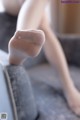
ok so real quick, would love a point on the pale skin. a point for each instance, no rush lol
(52, 48)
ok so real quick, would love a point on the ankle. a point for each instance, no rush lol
(70, 90)
(14, 61)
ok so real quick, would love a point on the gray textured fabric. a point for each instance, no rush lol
(46, 89)
(48, 92)
(6, 104)
(7, 28)
(71, 47)
(23, 95)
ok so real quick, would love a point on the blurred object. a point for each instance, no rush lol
(70, 19)
(3, 58)
(23, 93)
(1, 6)
(7, 104)
(7, 29)
(65, 17)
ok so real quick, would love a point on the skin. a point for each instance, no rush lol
(33, 42)
(52, 48)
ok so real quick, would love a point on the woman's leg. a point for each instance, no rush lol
(54, 54)
(30, 14)
(27, 42)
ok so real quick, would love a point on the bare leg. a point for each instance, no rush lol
(54, 53)
(30, 14)
(29, 18)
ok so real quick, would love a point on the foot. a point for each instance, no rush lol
(25, 44)
(73, 98)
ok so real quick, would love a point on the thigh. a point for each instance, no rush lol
(12, 6)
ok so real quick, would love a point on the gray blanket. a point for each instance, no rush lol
(47, 92)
